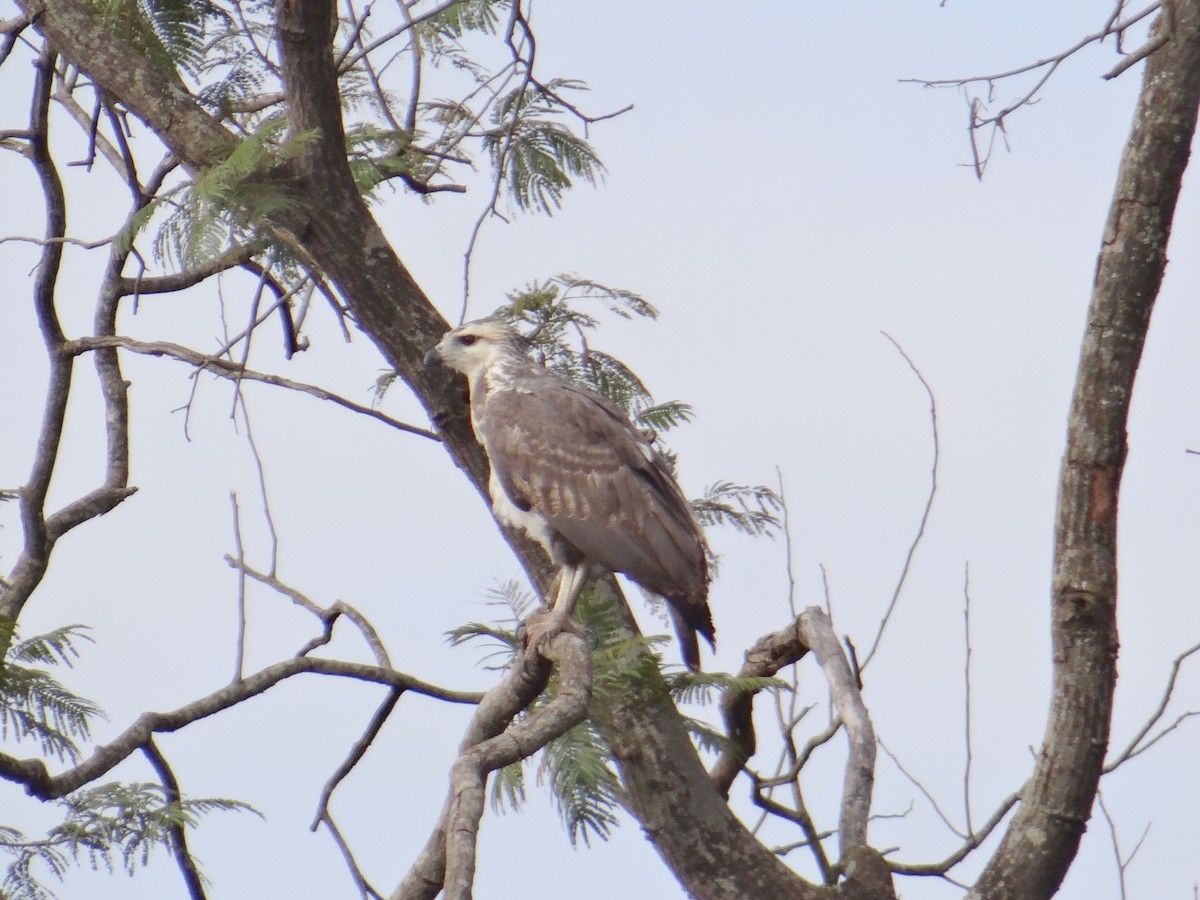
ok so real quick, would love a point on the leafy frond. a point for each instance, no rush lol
(536, 155)
(585, 789)
(469, 15)
(508, 788)
(51, 648)
(701, 687)
(751, 509)
(36, 706)
(221, 206)
(169, 32)
(103, 824)
(129, 820)
(501, 639)
(707, 738)
(665, 416)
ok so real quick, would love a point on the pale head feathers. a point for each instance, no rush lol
(475, 346)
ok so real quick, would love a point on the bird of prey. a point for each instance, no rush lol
(573, 471)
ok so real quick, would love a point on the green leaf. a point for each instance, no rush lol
(538, 157)
(751, 509)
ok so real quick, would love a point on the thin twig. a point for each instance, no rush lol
(933, 483)
(1133, 749)
(240, 644)
(356, 753)
(967, 696)
(227, 369)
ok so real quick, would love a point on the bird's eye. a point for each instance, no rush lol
(467, 339)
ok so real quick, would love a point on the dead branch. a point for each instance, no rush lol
(491, 742)
(1135, 746)
(1043, 837)
(41, 784)
(970, 844)
(933, 484)
(567, 709)
(769, 654)
(227, 369)
(1113, 27)
(858, 785)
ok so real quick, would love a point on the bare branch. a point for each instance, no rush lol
(967, 696)
(357, 752)
(490, 742)
(1133, 749)
(933, 483)
(465, 806)
(769, 654)
(972, 842)
(915, 782)
(177, 835)
(858, 785)
(41, 784)
(228, 369)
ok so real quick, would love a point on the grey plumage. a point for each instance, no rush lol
(570, 468)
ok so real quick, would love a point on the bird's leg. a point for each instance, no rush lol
(547, 622)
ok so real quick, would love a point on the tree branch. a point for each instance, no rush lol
(1044, 835)
(817, 632)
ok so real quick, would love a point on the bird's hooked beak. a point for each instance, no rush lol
(433, 358)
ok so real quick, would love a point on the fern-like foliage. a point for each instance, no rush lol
(702, 688)
(550, 311)
(106, 825)
(481, 16)
(34, 705)
(750, 509)
(222, 205)
(535, 154)
(578, 770)
(377, 154)
(170, 33)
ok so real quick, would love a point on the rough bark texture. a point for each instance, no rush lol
(708, 849)
(1044, 835)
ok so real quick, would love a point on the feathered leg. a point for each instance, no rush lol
(547, 622)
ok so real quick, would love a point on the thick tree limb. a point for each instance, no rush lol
(1043, 837)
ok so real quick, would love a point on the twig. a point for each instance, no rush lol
(924, 792)
(365, 890)
(227, 369)
(967, 696)
(328, 615)
(940, 869)
(355, 755)
(1133, 749)
(240, 645)
(933, 482)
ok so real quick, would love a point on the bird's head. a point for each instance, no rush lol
(472, 347)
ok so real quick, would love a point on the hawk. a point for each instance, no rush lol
(573, 471)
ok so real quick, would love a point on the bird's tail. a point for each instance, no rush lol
(686, 630)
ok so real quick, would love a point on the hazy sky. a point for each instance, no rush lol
(783, 199)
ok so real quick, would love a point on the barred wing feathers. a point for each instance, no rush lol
(572, 457)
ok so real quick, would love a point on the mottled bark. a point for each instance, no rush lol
(1044, 835)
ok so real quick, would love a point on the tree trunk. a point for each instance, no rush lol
(1044, 835)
